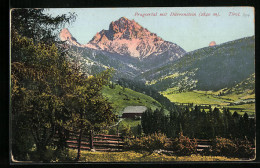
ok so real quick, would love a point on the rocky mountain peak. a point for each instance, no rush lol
(127, 37)
(124, 28)
(65, 35)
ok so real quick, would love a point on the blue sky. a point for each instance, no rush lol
(189, 32)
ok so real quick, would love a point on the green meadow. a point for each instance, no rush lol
(214, 99)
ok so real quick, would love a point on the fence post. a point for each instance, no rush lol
(118, 137)
(91, 139)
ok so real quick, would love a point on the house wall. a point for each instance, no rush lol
(131, 115)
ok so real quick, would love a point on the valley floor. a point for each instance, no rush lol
(132, 156)
(235, 102)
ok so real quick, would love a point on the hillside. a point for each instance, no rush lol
(209, 68)
(93, 61)
(122, 97)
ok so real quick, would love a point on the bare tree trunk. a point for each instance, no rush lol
(79, 145)
(41, 150)
(79, 140)
(91, 139)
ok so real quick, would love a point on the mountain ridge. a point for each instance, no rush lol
(212, 67)
(128, 38)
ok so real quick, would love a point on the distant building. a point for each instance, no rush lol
(133, 111)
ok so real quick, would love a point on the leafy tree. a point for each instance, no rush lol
(38, 69)
(36, 89)
(51, 93)
(90, 111)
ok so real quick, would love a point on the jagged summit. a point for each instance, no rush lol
(123, 28)
(127, 37)
(65, 35)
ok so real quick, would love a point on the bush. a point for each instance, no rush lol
(134, 144)
(231, 148)
(148, 143)
(184, 146)
(126, 130)
(61, 155)
(47, 156)
(244, 149)
(223, 147)
(237, 148)
(52, 154)
(112, 131)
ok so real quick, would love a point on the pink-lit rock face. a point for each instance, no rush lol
(125, 37)
(213, 43)
(65, 35)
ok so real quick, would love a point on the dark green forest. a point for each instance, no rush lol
(196, 123)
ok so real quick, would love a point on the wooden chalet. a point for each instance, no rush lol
(133, 111)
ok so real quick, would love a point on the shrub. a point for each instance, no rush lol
(134, 144)
(184, 146)
(126, 130)
(148, 143)
(112, 131)
(236, 148)
(61, 155)
(244, 149)
(223, 147)
(231, 148)
(47, 156)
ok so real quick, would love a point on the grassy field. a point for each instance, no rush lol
(132, 156)
(193, 97)
(240, 109)
(121, 98)
(212, 98)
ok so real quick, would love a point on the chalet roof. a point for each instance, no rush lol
(135, 109)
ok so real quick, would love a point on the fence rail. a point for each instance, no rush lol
(100, 142)
(103, 142)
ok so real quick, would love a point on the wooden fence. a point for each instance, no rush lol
(102, 142)
(203, 144)
(99, 142)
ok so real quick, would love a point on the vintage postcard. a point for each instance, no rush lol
(130, 85)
